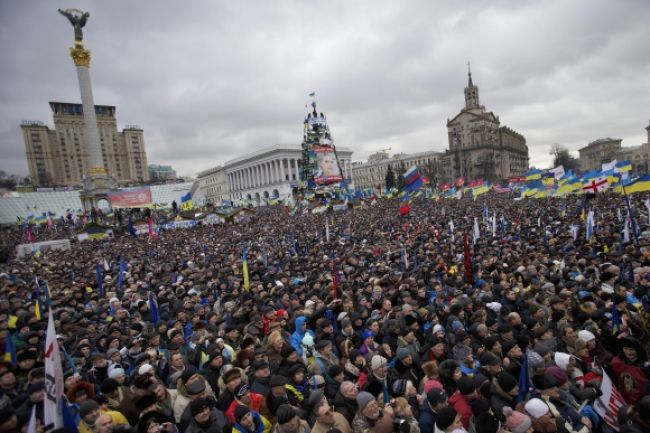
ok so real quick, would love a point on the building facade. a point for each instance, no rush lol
(479, 146)
(598, 152)
(372, 173)
(214, 185)
(605, 150)
(272, 172)
(161, 173)
(60, 156)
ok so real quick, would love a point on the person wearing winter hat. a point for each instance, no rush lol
(378, 381)
(516, 421)
(245, 397)
(461, 399)
(546, 385)
(435, 402)
(503, 391)
(288, 421)
(448, 421)
(88, 414)
(630, 369)
(370, 417)
(204, 417)
(487, 422)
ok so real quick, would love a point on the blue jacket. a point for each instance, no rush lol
(298, 335)
(427, 419)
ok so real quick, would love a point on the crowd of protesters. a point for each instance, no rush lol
(394, 323)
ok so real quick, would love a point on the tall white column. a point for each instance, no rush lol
(253, 176)
(295, 161)
(282, 170)
(276, 174)
(267, 173)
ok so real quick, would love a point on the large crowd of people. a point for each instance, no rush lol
(368, 320)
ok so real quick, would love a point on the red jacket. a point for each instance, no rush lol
(256, 403)
(459, 402)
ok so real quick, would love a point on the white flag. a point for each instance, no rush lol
(31, 428)
(608, 166)
(558, 171)
(106, 267)
(52, 405)
(608, 404)
(647, 205)
(327, 230)
(451, 230)
(574, 232)
(494, 225)
(476, 232)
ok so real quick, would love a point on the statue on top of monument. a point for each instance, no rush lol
(78, 20)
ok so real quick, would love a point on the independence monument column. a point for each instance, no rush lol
(97, 182)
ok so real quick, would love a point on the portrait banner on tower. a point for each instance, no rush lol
(136, 197)
(326, 167)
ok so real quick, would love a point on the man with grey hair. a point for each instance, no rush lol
(346, 400)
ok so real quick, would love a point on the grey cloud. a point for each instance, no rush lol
(209, 81)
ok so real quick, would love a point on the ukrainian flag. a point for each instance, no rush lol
(533, 174)
(245, 270)
(623, 166)
(642, 184)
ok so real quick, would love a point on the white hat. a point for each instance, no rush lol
(536, 408)
(115, 372)
(606, 288)
(438, 328)
(377, 361)
(494, 306)
(145, 369)
(586, 335)
(562, 360)
(309, 303)
(278, 283)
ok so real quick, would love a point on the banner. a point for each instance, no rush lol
(137, 197)
(326, 167)
(52, 405)
(608, 404)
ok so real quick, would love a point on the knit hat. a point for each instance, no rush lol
(277, 380)
(189, 371)
(446, 418)
(241, 412)
(399, 387)
(558, 374)
(197, 406)
(489, 358)
(367, 334)
(562, 360)
(544, 381)
(334, 371)
(402, 353)
(516, 422)
(585, 335)
(287, 351)
(86, 407)
(363, 399)
(240, 390)
(145, 401)
(466, 385)
(377, 361)
(536, 408)
(116, 372)
(506, 381)
(436, 396)
(285, 413)
(535, 361)
(461, 352)
(486, 422)
(108, 386)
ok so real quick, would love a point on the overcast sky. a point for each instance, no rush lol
(211, 80)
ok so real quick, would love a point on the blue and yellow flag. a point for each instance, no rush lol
(245, 270)
(10, 350)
